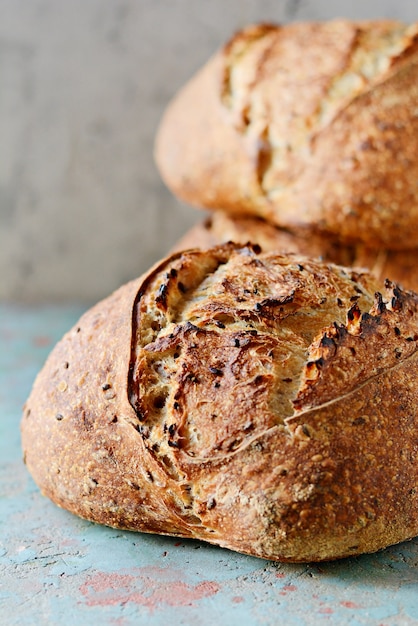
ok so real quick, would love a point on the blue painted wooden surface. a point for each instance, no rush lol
(58, 569)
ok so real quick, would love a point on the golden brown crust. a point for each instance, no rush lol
(261, 402)
(306, 125)
(399, 266)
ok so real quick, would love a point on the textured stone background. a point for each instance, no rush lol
(83, 84)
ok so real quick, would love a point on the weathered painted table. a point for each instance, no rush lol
(58, 569)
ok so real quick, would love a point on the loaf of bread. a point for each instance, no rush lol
(308, 125)
(260, 402)
(400, 266)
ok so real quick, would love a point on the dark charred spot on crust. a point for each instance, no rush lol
(354, 313)
(159, 401)
(366, 317)
(216, 371)
(266, 307)
(340, 302)
(358, 421)
(367, 144)
(279, 301)
(150, 476)
(259, 379)
(115, 419)
(173, 444)
(173, 272)
(397, 331)
(287, 380)
(306, 430)
(397, 299)
(192, 327)
(311, 366)
(172, 429)
(140, 415)
(378, 303)
(161, 298)
(106, 386)
(143, 430)
(66, 365)
(207, 224)
(328, 343)
(211, 504)
(340, 331)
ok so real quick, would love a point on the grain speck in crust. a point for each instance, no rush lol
(268, 405)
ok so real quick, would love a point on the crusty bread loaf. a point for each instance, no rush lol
(400, 266)
(264, 403)
(309, 125)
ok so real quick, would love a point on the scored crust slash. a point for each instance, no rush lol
(262, 402)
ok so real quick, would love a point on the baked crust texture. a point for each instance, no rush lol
(262, 402)
(309, 125)
(399, 266)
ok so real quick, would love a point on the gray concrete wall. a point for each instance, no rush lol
(83, 84)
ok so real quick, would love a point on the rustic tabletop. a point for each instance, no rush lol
(58, 569)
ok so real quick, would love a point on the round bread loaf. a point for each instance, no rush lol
(308, 125)
(400, 266)
(261, 402)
